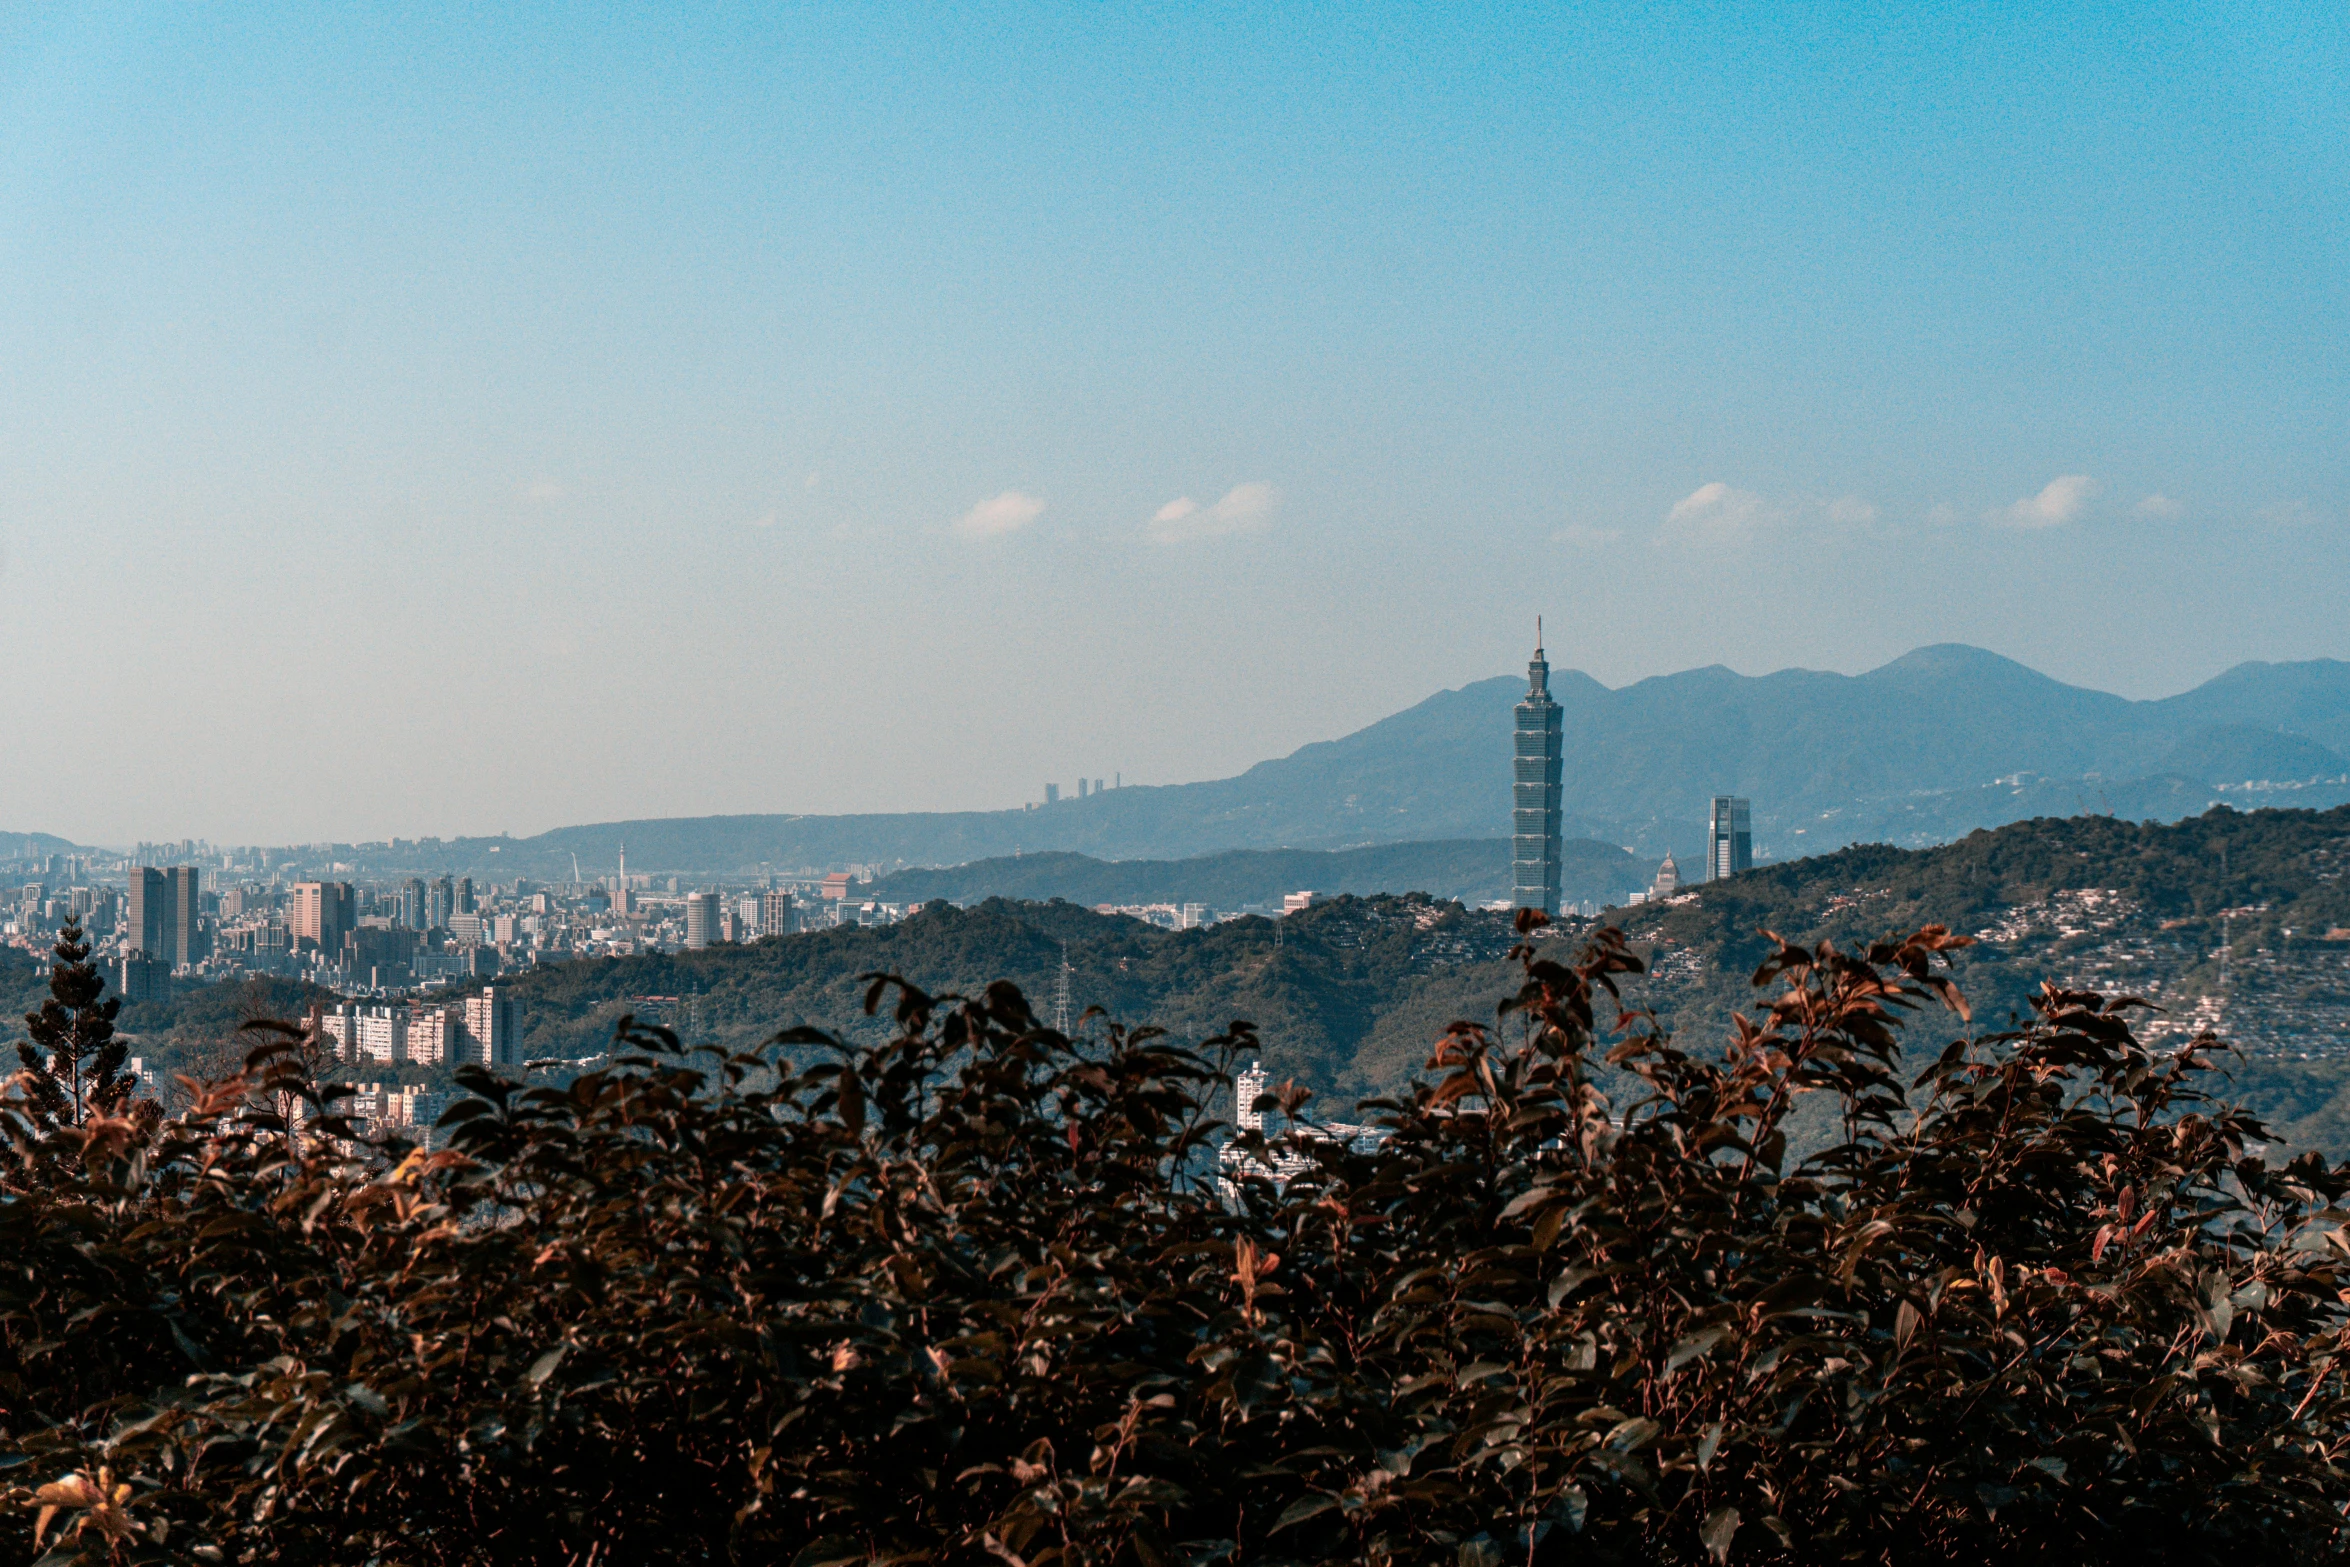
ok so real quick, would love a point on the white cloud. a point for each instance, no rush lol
(543, 492)
(2059, 502)
(1244, 508)
(2289, 513)
(1584, 535)
(1851, 511)
(1007, 513)
(1712, 513)
(2160, 507)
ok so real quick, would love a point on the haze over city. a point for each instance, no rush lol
(463, 421)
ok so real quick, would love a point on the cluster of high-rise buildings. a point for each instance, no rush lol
(1537, 808)
(484, 1028)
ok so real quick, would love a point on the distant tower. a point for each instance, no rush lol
(1061, 994)
(1534, 845)
(1729, 848)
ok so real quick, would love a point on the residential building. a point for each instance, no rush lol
(141, 978)
(382, 1035)
(1298, 902)
(433, 1035)
(373, 948)
(701, 919)
(338, 1030)
(776, 915)
(493, 1033)
(1535, 847)
(1729, 839)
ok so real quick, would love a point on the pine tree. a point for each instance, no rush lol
(73, 1062)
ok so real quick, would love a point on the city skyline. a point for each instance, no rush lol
(472, 421)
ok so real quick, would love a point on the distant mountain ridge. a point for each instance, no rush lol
(1922, 750)
(1470, 870)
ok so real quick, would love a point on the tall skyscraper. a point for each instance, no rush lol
(320, 915)
(183, 936)
(1729, 839)
(147, 920)
(1534, 842)
(701, 918)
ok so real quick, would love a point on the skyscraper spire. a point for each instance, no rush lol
(1535, 849)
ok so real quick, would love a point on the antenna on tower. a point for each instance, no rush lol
(1061, 994)
(1537, 633)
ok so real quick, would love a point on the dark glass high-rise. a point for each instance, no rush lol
(1535, 815)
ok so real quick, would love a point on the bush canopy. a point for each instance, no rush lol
(987, 1294)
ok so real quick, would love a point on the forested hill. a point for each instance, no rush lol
(1348, 995)
(2091, 902)
(1472, 870)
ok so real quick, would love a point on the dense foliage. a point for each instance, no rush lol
(972, 1295)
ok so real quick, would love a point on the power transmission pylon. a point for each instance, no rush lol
(1061, 994)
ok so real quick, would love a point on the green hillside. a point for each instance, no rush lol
(1348, 995)
(1470, 870)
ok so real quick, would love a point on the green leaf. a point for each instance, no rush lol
(1708, 1445)
(1695, 1347)
(1303, 1508)
(1721, 1527)
(544, 1367)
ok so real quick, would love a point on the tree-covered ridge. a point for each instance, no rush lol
(1471, 870)
(1347, 994)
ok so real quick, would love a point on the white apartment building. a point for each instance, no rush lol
(493, 1031)
(432, 1035)
(382, 1035)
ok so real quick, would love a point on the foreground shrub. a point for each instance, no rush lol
(976, 1296)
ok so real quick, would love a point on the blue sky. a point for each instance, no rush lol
(420, 422)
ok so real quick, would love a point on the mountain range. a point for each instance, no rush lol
(1924, 750)
(1927, 748)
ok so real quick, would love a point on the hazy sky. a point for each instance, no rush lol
(420, 423)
